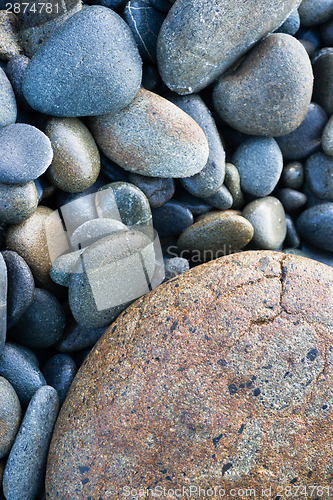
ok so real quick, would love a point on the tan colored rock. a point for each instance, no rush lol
(220, 377)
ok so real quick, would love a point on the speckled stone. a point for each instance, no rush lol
(62, 267)
(319, 175)
(175, 266)
(291, 199)
(293, 175)
(152, 137)
(314, 12)
(322, 64)
(106, 82)
(17, 202)
(21, 371)
(222, 199)
(259, 163)
(10, 416)
(215, 236)
(194, 46)
(275, 76)
(59, 372)
(29, 240)
(3, 302)
(25, 153)
(25, 468)
(15, 69)
(43, 323)
(21, 286)
(291, 24)
(327, 138)
(76, 162)
(264, 319)
(157, 189)
(10, 44)
(232, 183)
(306, 139)
(210, 179)
(171, 219)
(315, 226)
(268, 219)
(8, 109)
(76, 337)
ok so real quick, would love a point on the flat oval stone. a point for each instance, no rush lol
(76, 337)
(42, 324)
(293, 175)
(319, 175)
(214, 342)
(152, 137)
(24, 472)
(21, 371)
(322, 64)
(232, 183)
(275, 75)
(157, 189)
(10, 416)
(268, 219)
(315, 226)
(59, 372)
(3, 301)
(327, 138)
(99, 61)
(17, 202)
(8, 109)
(218, 235)
(222, 199)
(200, 39)
(21, 286)
(76, 162)
(314, 12)
(25, 153)
(171, 219)
(210, 179)
(291, 199)
(259, 162)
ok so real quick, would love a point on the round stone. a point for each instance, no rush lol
(152, 137)
(171, 219)
(293, 175)
(291, 199)
(196, 205)
(215, 236)
(76, 162)
(76, 337)
(314, 12)
(319, 175)
(59, 372)
(222, 199)
(268, 219)
(25, 153)
(157, 190)
(8, 109)
(10, 416)
(259, 163)
(103, 70)
(327, 138)
(291, 24)
(315, 226)
(17, 202)
(269, 93)
(207, 358)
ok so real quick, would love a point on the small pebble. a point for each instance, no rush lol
(76, 337)
(327, 138)
(10, 416)
(17, 202)
(21, 372)
(291, 199)
(268, 219)
(292, 239)
(157, 190)
(8, 109)
(291, 24)
(10, 43)
(26, 464)
(196, 205)
(222, 199)
(175, 266)
(232, 183)
(319, 175)
(171, 219)
(314, 12)
(322, 64)
(293, 175)
(315, 226)
(59, 372)
(3, 302)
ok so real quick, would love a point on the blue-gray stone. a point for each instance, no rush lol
(24, 473)
(8, 109)
(15, 69)
(3, 302)
(21, 286)
(161, 5)
(259, 163)
(59, 372)
(42, 324)
(313, 12)
(291, 24)
(111, 171)
(319, 255)
(291, 199)
(197, 206)
(21, 372)
(222, 199)
(157, 189)
(315, 226)
(319, 175)
(322, 64)
(76, 337)
(210, 179)
(292, 239)
(62, 268)
(10, 416)
(17, 202)
(175, 266)
(171, 219)
(25, 153)
(93, 56)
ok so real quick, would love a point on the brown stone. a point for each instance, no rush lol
(220, 377)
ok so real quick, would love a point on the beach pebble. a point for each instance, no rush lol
(306, 139)
(25, 153)
(8, 109)
(21, 371)
(26, 464)
(314, 12)
(198, 41)
(222, 199)
(111, 171)
(152, 137)
(232, 183)
(259, 163)
(76, 162)
(269, 93)
(17, 202)
(175, 266)
(315, 226)
(157, 189)
(10, 416)
(292, 239)
(215, 236)
(196, 205)
(15, 69)
(10, 43)
(322, 64)
(59, 372)
(291, 24)
(3, 302)
(76, 337)
(42, 324)
(268, 219)
(293, 175)
(319, 255)
(319, 175)
(21, 286)
(291, 199)
(210, 179)
(327, 138)
(171, 219)
(104, 73)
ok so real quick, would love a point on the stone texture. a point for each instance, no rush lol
(221, 376)
(15, 69)
(152, 137)
(200, 39)
(269, 93)
(17, 202)
(293, 175)
(3, 302)
(327, 137)
(10, 416)
(315, 226)
(10, 44)
(8, 109)
(313, 12)
(59, 372)
(322, 64)
(319, 175)
(157, 190)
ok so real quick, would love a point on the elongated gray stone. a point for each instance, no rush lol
(200, 39)
(25, 468)
(3, 302)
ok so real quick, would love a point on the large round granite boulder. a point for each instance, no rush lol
(221, 378)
